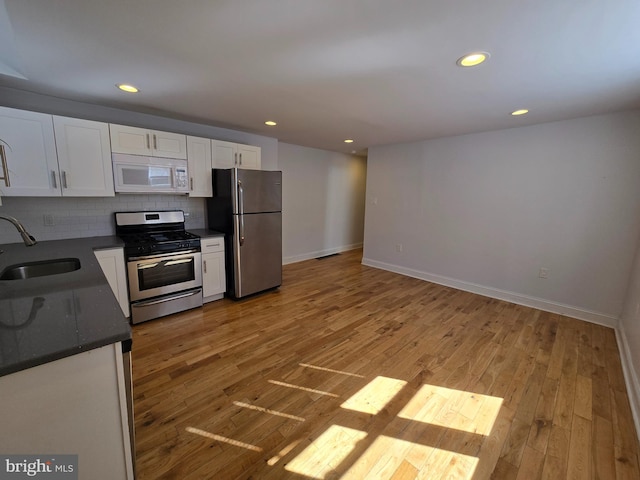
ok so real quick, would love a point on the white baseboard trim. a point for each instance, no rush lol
(319, 253)
(513, 297)
(630, 376)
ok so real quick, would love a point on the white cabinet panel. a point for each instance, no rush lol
(230, 155)
(249, 157)
(224, 154)
(142, 141)
(111, 261)
(213, 271)
(52, 156)
(84, 157)
(199, 161)
(213, 268)
(77, 402)
(169, 145)
(133, 140)
(29, 162)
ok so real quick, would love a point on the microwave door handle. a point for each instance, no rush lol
(241, 211)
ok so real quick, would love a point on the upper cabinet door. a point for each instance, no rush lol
(249, 157)
(84, 157)
(199, 162)
(224, 154)
(168, 145)
(29, 166)
(142, 141)
(133, 140)
(230, 155)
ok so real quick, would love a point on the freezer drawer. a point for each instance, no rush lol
(257, 253)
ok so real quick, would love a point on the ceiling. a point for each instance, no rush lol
(376, 71)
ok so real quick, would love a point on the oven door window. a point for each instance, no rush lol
(166, 272)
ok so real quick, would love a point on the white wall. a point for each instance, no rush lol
(485, 212)
(322, 202)
(629, 339)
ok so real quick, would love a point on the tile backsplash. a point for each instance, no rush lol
(56, 218)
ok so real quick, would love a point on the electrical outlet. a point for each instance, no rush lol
(399, 247)
(49, 220)
(544, 272)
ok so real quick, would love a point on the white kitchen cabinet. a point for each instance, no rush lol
(111, 261)
(50, 156)
(77, 402)
(28, 154)
(230, 155)
(199, 163)
(142, 141)
(84, 158)
(213, 269)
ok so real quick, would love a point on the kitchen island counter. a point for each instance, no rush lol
(47, 318)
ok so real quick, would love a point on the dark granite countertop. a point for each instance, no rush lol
(47, 318)
(203, 232)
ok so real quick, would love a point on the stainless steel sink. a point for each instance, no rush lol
(40, 269)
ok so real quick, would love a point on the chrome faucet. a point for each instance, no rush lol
(26, 238)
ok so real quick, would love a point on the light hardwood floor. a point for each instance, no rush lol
(351, 372)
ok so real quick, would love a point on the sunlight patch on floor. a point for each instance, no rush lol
(449, 408)
(374, 395)
(267, 410)
(385, 455)
(324, 369)
(276, 458)
(304, 389)
(219, 438)
(326, 452)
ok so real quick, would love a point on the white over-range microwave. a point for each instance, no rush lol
(142, 174)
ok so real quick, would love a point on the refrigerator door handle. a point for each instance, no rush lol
(241, 211)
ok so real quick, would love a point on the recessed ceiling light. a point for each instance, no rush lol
(522, 111)
(473, 59)
(271, 123)
(348, 141)
(127, 88)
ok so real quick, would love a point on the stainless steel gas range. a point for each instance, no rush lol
(163, 263)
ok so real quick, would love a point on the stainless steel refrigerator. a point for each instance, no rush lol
(247, 207)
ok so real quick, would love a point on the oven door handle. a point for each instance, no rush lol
(166, 299)
(179, 254)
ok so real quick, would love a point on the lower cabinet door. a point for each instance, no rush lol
(213, 274)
